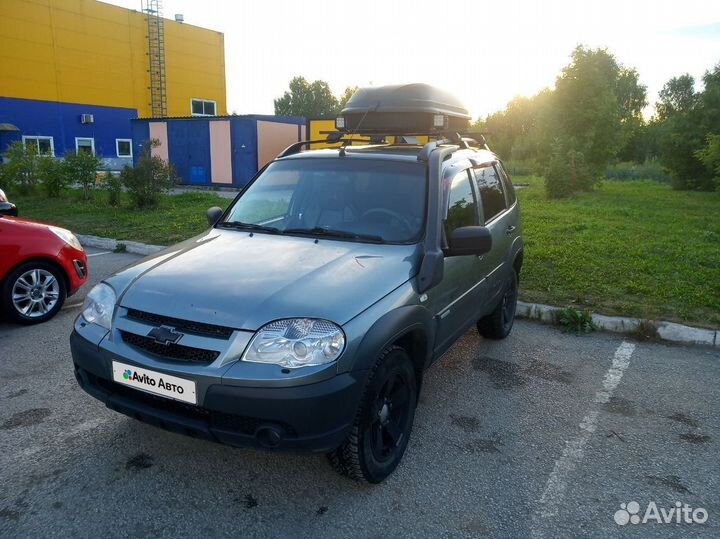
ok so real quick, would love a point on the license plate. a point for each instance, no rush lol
(154, 382)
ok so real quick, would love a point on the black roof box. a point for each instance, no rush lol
(403, 108)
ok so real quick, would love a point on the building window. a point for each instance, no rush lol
(123, 147)
(202, 107)
(42, 145)
(85, 145)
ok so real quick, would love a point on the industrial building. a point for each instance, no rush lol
(76, 72)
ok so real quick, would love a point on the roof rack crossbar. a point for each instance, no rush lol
(298, 146)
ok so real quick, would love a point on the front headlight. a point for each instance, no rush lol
(67, 236)
(296, 342)
(98, 306)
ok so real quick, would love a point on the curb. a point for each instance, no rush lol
(667, 331)
(110, 244)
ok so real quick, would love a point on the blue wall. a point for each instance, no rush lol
(189, 145)
(62, 122)
(189, 150)
(243, 143)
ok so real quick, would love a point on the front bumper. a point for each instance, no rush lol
(74, 262)
(315, 417)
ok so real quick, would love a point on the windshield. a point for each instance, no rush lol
(357, 199)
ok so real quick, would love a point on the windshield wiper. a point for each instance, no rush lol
(331, 233)
(249, 226)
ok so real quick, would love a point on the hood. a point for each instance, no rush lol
(21, 225)
(235, 279)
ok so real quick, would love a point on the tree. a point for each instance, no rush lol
(345, 97)
(593, 113)
(596, 105)
(686, 123)
(503, 129)
(676, 97)
(307, 99)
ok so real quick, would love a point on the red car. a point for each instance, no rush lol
(40, 265)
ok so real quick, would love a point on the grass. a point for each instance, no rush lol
(634, 248)
(178, 217)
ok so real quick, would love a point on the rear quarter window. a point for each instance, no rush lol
(507, 184)
(492, 195)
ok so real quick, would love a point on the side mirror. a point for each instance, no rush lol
(469, 240)
(213, 215)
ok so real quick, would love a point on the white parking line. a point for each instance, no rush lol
(572, 454)
(72, 305)
(98, 254)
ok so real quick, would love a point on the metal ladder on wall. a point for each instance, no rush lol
(156, 56)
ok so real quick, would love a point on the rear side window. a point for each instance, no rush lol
(462, 209)
(491, 191)
(507, 185)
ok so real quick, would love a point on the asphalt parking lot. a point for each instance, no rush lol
(541, 435)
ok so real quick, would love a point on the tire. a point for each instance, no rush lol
(33, 292)
(498, 324)
(379, 436)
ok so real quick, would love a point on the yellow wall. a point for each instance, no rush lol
(83, 51)
(318, 126)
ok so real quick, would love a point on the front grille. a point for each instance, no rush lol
(177, 352)
(187, 326)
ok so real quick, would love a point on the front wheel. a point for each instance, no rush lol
(498, 324)
(382, 426)
(33, 292)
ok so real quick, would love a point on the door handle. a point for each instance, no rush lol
(509, 230)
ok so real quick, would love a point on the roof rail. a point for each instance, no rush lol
(462, 143)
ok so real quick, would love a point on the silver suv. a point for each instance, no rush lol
(305, 317)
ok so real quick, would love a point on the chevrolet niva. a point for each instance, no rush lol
(308, 313)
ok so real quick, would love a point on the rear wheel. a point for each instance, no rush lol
(382, 426)
(498, 324)
(33, 292)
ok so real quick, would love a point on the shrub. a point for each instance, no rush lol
(52, 176)
(567, 171)
(646, 330)
(575, 321)
(81, 167)
(113, 185)
(710, 157)
(149, 179)
(21, 168)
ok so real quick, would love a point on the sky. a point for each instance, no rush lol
(484, 51)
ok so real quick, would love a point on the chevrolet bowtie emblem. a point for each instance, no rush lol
(164, 335)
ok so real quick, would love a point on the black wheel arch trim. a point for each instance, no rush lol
(392, 327)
